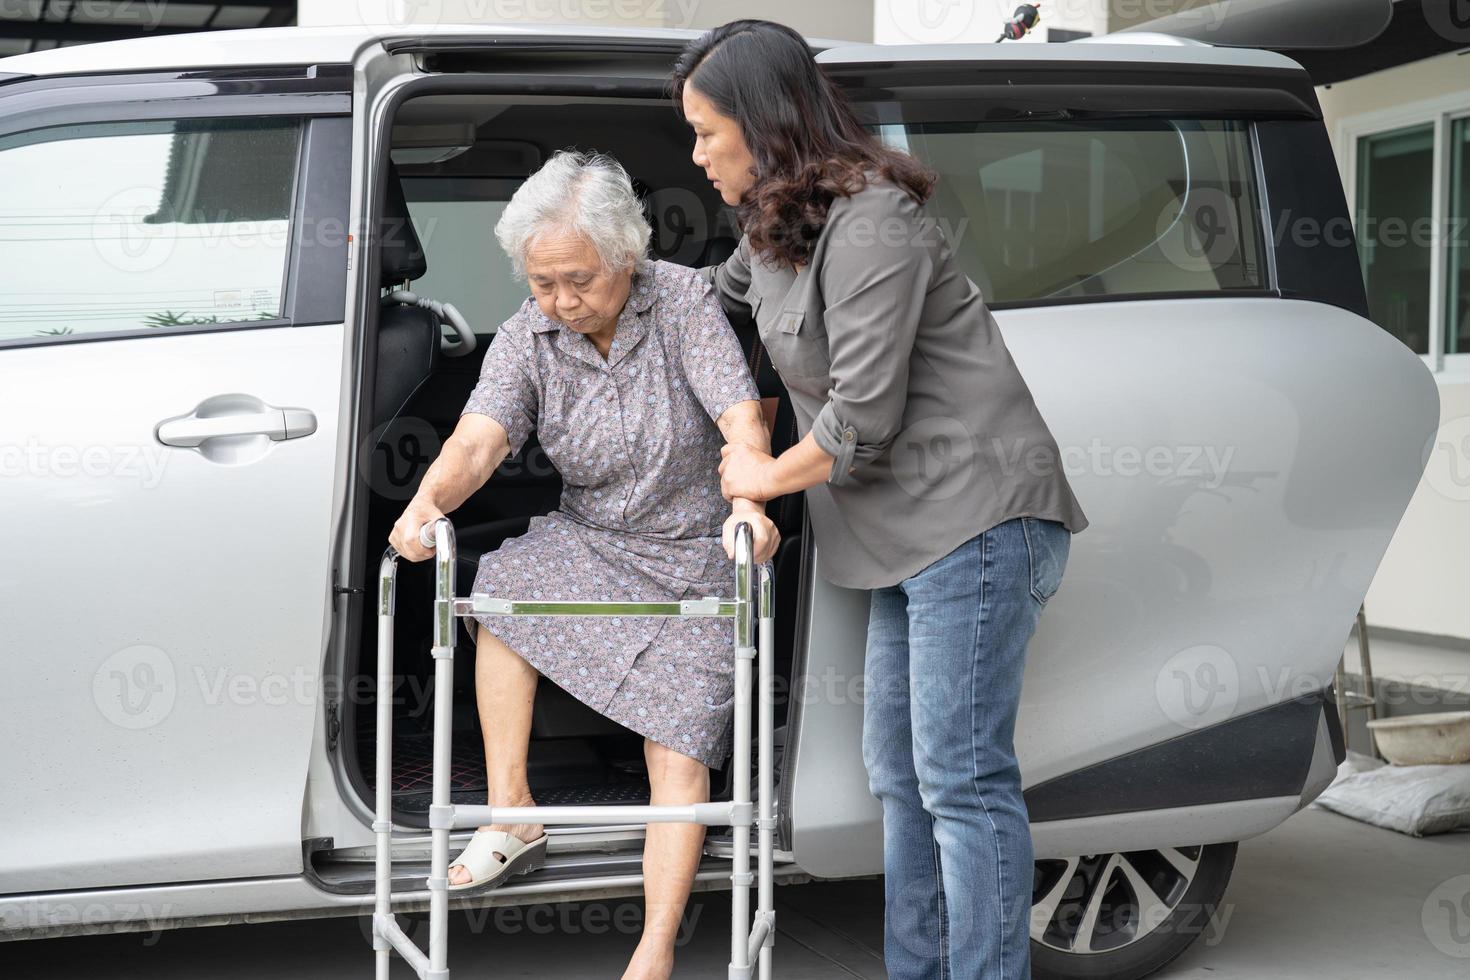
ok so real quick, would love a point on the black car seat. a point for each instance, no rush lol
(408, 336)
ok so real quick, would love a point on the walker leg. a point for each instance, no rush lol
(383, 804)
(443, 651)
(766, 820)
(744, 653)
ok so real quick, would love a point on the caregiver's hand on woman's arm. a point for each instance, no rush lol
(753, 474)
(743, 424)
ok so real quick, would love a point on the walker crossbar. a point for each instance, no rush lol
(752, 611)
(708, 606)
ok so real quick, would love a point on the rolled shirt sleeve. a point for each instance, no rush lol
(506, 390)
(872, 278)
(713, 363)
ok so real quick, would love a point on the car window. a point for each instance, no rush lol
(455, 218)
(131, 226)
(1054, 210)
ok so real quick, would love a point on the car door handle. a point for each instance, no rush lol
(192, 430)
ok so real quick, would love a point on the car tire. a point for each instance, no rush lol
(1123, 916)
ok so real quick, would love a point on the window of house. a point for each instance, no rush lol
(1408, 176)
(1457, 292)
(1394, 198)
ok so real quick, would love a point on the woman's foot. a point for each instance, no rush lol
(650, 963)
(459, 874)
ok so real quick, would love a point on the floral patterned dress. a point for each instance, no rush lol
(634, 438)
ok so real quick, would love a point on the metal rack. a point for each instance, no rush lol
(1367, 699)
(752, 609)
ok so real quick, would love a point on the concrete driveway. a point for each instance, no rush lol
(1321, 895)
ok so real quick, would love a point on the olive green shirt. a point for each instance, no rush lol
(898, 369)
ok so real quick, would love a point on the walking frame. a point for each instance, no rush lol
(753, 612)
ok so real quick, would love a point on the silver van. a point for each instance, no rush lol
(216, 398)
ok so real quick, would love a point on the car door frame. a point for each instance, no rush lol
(400, 68)
(314, 278)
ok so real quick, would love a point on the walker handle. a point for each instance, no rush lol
(426, 534)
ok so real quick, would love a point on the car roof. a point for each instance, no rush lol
(340, 44)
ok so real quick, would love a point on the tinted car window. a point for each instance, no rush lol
(454, 218)
(135, 225)
(1052, 210)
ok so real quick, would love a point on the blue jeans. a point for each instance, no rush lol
(946, 649)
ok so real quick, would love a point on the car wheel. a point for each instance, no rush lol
(1122, 916)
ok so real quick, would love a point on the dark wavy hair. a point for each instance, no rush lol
(808, 146)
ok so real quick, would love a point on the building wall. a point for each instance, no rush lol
(1424, 582)
(979, 21)
(846, 20)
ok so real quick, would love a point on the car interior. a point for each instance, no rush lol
(455, 161)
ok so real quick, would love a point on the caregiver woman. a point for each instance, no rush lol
(930, 477)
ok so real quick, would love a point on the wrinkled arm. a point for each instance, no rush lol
(744, 424)
(469, 457)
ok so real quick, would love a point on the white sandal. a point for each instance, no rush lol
(484, 867)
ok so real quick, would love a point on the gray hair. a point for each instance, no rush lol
(586, 194)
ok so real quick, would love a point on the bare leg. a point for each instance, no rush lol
(671, 853)
(505, 689)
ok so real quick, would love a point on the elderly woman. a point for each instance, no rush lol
(631, 375)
